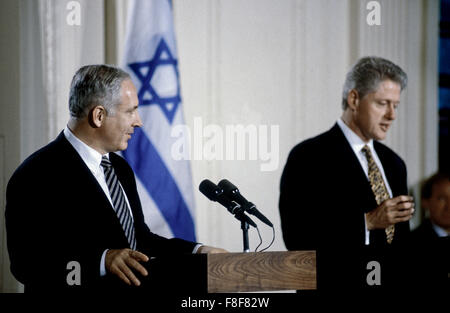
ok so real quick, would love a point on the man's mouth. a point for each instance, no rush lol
(384, 127)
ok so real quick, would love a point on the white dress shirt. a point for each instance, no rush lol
(357, 144)
(92, 158)
(439, 230)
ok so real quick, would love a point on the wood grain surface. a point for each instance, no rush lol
(262, 271)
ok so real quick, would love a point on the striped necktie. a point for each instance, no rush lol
(378, 187)
(119, 203)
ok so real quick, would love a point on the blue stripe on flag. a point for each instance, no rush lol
(150, 168)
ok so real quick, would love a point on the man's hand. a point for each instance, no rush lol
(390, 211)
(208, 249)
(121, 262)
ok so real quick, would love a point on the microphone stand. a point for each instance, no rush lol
(244, 227)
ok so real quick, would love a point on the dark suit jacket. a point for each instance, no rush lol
(56, 212)
(424, 234)
(433, 255)
(324, 194)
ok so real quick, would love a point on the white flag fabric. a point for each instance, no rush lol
(150, 57)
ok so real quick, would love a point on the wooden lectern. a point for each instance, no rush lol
(261, 271)
(233, 272)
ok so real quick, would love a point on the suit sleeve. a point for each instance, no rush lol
(297, 210)
(18, 226)
(40, 237)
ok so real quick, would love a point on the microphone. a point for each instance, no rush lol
(214, 193)
(233, 192)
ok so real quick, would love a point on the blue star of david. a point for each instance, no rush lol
(147, 93)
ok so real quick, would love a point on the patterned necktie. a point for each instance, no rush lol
(118, 200)
(378, 187)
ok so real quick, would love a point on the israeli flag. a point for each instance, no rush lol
(164, 184)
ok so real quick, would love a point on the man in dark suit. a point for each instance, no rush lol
(343, 190)
(435, 195)
(432, 237)
(75, 201)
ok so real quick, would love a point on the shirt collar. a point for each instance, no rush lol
(354, 140)
(90, 156)
(439, 230)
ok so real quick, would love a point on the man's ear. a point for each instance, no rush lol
(97, 116)
(353, 99)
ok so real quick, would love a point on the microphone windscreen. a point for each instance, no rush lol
(226, 185)
(209, 189)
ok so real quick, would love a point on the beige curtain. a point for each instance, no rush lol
(51, 50)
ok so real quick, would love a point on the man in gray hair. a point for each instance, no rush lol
(73, 215)
(344, 189)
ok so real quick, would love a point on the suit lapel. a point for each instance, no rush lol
(354, 179)
(343, 151)
(80, 171)
(92, 202)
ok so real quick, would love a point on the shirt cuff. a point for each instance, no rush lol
(197, 246)
(366, 232)
(102, 263)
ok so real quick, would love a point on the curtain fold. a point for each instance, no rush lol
(51, 51)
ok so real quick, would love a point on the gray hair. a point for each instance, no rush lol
(94, 85)
(366, 75)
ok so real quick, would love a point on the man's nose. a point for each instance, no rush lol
(391, 113)
(138, 121)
